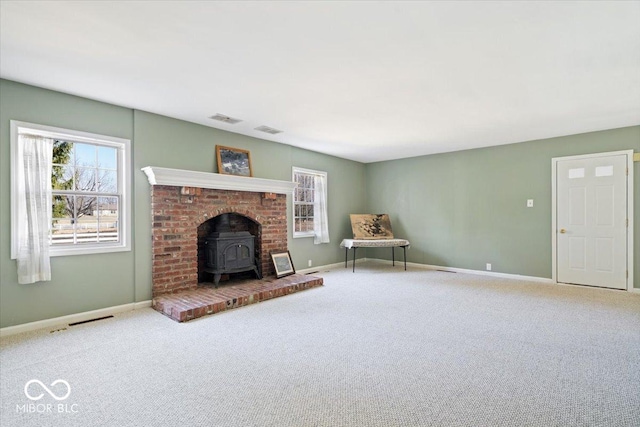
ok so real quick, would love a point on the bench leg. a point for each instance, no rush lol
(393, 256)
(404, 248)
(346, 256)
(354, 259)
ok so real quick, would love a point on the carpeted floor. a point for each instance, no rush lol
(378, 347)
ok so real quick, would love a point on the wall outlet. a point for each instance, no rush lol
(310, 263)
(530, 203)
(488, 267)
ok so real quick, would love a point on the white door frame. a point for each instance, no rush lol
(554, 211)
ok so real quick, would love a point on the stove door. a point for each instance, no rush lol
(236, 256)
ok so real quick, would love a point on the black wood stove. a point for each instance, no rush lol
(229, 251)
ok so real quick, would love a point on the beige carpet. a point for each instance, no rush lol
(378, 347)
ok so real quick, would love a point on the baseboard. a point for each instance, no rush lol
(329, 266)
(493, 274)
(72, 318)
(469, 271)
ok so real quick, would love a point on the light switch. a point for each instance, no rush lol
(530, 203)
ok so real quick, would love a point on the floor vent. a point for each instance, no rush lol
(90, 320)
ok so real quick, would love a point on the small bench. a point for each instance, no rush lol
(374, 243)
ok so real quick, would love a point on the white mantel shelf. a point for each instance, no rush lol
(216, 181)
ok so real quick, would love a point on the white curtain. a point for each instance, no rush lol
(33, 177)
(320, 221)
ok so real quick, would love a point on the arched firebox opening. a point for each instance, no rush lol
(229, 248)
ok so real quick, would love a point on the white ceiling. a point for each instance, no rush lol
(366, 81)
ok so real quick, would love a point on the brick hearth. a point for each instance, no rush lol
(205, 300)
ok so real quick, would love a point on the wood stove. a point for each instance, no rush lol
(229, 251)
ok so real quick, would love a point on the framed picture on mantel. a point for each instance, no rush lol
(233, 161)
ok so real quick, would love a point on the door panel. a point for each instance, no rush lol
(577, 206)
(577, 253)
(604, 254)
(592, 221)
(604, 205)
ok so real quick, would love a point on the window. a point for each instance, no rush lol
(89, 190)
(310, 205)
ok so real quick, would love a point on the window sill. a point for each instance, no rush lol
(302, 235)
(87, 250)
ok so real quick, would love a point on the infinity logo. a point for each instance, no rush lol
(52, 394)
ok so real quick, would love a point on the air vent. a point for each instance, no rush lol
(90, 320)
(222, 118)
(267, 129)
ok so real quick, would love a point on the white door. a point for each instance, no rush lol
(592, 221)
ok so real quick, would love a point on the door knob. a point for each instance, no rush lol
(562, 231)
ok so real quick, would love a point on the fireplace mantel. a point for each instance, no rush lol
(216, 181)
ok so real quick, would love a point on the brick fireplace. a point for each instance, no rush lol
(181, 221)
(184, 207)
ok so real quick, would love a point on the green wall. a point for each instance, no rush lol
(167, 142)
(90, 282)
(468, 208)
(79, 283)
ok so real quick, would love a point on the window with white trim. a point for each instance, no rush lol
(309, 207)
(90, 180)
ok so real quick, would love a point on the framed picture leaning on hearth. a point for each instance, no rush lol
(233, 161)
(282, 263)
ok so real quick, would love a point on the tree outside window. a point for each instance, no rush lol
(85, 197)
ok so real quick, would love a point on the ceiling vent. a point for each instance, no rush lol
(267, 129)
(222, 118)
